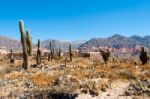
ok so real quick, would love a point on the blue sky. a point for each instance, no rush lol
(75, 19)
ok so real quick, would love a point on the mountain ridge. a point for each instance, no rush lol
(116, 41)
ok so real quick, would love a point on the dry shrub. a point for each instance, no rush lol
(126, 66)
(43, 80)
(14, 75)
(81, 62)
(122, 71)
(103, 69)
(146, 67)
(138, 88)
(1, 75)
(18, 62)
(78, 73)
(94, 85)
(147, 75)
(127, 74)
(53, 63)
(145, 72)
(66, 83)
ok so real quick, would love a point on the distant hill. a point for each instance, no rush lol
(64, 45)
(8, 43)
(118, 41)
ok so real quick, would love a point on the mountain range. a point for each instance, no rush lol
(118, 41)
(64, 45)
(115, 41)
(9, 43)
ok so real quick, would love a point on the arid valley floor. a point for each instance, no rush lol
(80, 79)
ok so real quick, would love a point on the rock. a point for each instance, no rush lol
(103, 89)
(63, 82)
(22, 96)
(29, 84)
(93, 93)
(39, 96)
(25, 95)
(139, 87)
(84, 91)
(62, 96)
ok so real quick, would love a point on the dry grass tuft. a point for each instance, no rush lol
(43, 80)
(14, 75)
(78, 73)
(146, 67)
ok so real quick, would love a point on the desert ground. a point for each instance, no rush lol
(74, 49)
(82, 78)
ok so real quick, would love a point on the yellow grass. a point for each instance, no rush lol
(43, 80)
(14, 75)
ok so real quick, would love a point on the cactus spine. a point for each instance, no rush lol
(24, 46)
(38, 58)
(29, 42)
(70, 53)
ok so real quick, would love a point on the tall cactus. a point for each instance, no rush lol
(59, 52)
(143, 56)
(11, 56)
(50, 51)
(53, 53)
(70, 53)
(38, 58)
(24, 46)
(29, 42)
(50, 46)
(65, 64)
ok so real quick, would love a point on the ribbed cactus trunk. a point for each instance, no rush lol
(65, 62)
(11, 56)
(50, 46)
(50, 52)
(38, 58)
(53, 53)
(29, 42)
(59, 52)
(24, 46)
(50, 56)
(70, 53)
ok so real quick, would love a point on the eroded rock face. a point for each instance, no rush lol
(139, 87)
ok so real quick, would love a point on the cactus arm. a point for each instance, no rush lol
(29, 42)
